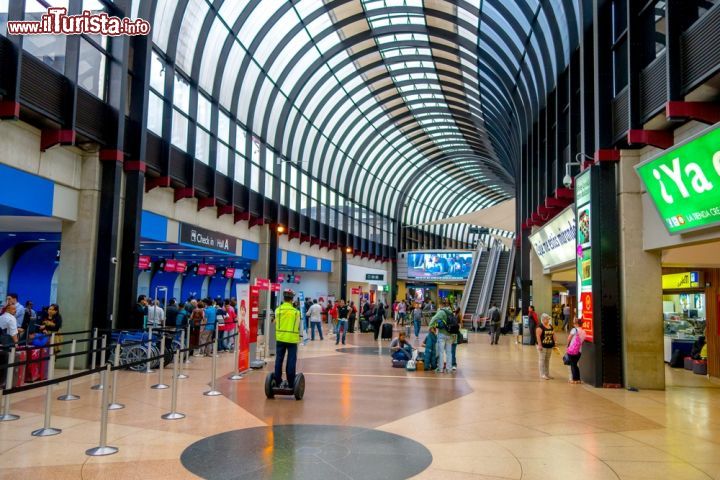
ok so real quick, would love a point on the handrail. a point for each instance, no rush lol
(471, 278)
(508, 283)
(486, 291)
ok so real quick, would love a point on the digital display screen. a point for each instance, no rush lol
(181, 266)
(144, 262)
(202, 269)
(439, 265)
(170, 265)
(229, 272)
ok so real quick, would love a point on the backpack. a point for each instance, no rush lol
(574, 347)
(452, 323)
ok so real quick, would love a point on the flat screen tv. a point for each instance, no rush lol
(439, 265)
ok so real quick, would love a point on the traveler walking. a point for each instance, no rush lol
(494, 315)
(533, 322)
(566, 317)
(315, 314)
(574, 350)
(417, 320)
(378, 318)
(545, 336)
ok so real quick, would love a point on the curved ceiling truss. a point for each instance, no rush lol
(414, 109)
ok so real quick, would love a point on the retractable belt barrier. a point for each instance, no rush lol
(105, 369)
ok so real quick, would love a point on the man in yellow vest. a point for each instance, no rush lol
(287, 336)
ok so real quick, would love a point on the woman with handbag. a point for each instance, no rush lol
(574, 350)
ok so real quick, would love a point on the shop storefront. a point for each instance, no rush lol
(680, 224)
(554, 247)
(369, 283)
(305, 274)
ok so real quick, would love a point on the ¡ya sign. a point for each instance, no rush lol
(554, 244)
(684, 183)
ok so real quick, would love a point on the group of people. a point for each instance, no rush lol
(341, 318)
(22, 324)
(545, 343)
(202, 314)
(440, 342)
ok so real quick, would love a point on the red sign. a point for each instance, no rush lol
(254, 312)
(229, 272)
(211, 270)
(356, 290)
(262, 283)
(274, 287)
(202, 269)
(587, 314)
(244, 339)
(143, 262)
(170, 265)
(281, 278)
(181, 266)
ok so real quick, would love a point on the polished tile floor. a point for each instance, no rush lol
(492, 419)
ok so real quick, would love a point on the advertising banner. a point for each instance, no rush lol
(243, 298)
(584, 252)
(254, 309)
(554, 243)
(684, 183)
(439, 265)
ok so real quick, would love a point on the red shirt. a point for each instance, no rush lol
(229, 324)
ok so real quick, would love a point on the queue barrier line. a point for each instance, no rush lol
(105, 406)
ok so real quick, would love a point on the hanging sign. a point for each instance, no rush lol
(274, 287)
(681, 281)
(356, 290)
(254, 312)
(554, 243)
(684, 183)
(206, 239)
(143, 262)
(262, 283)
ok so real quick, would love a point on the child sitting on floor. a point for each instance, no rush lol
(430, 343)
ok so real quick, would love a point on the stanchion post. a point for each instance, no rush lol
(68, 393)
(187, 339)
(114, 405)
(213, 392)
(103, 448)
(47, 430)
(180, 374)
(161, 368)
(149, 349)
(173, 414)
(93, 352)
(6, 416)
(103, 346)
(236, 352)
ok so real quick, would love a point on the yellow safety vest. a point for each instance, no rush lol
(287, 323)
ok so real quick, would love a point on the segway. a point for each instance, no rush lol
(272, 388)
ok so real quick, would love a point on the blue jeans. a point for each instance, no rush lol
(342, 324)
(416, 323)
(444, 347)
(291, 349)
(430, 358)
(404, 353)
(454, 361)
(313, 325)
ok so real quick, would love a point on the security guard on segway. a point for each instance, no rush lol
(287, 336)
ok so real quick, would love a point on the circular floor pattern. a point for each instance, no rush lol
(314, 452)
(365, 350)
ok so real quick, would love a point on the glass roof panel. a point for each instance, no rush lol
(190, 33)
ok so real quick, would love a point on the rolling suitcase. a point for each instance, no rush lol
(387, 331)
(364, 326)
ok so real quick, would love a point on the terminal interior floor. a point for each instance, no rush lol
(360, 418)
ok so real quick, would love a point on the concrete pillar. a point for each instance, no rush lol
(541, 285)
(261, 269)
(640, 286)
(335, 277)
(77, 252)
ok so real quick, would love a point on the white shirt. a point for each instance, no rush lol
(9, 324)
(315, 313)
(156, 315)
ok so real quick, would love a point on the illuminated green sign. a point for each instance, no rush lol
(684, 183)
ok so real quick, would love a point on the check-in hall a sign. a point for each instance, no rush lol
(684, 182)
(554, 243)
(207, 239)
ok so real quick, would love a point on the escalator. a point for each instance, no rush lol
(475, 283)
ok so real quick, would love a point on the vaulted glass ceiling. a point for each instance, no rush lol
(415, 109)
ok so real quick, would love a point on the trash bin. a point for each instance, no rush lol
(526, 331)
